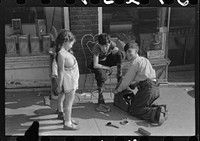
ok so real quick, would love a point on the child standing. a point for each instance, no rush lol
(68, 76)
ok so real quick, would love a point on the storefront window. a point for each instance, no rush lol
(28, 30)
(120, 22)
(26, 14)
(182, 36)
(147, 26)
(134, 24)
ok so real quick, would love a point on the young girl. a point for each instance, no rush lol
(68, 76)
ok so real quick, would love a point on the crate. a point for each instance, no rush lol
(155, 54)
(10, 45)
(161, 68)
(46, 43)
(35, 45)
(17, 26)
(24, 45)
(41, 28)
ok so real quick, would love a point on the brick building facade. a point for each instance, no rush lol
(83, 20)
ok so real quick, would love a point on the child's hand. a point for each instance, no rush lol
(115, 50)
(115, 91)
(109, 71)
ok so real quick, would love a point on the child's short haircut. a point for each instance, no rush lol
(103, 39)
(131, 45)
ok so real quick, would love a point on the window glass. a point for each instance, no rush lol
(28, 30)
(132, 24)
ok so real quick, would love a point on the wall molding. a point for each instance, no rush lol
(27, 62)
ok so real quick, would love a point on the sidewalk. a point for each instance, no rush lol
(23, 107)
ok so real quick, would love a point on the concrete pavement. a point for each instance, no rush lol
(22, 108)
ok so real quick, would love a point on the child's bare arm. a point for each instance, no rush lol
(61, 69)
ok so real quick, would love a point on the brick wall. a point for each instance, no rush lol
(83, 20)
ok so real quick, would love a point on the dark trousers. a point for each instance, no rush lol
(141, 104)
(111, 60)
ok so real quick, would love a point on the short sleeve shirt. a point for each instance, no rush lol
(140, 69)
(102, 55)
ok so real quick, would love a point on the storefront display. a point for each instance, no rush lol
(46, 43)
(27, 43)
(24, 45)
(27, 25)
(41, 28)
(17, 26)
(35, 45)
(144, 26)
(154, 47)
(10, 42)
(151, 45)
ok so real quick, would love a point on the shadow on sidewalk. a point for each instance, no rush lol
(25, 107)
(191, 93)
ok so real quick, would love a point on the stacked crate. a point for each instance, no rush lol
(27, 44)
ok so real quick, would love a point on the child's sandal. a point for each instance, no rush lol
(72, 127)
(75, 122)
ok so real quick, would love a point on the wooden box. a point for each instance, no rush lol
(41, 28)
(8, 30)
(161, 68)
(24, 45)
(10, 42)
(17, 26)
(46, 43)
(35, 45)
(155, 54)
(29, 29)
(152, 45)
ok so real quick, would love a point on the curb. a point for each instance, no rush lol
(28, 89)
(170, 84)
(178, 84)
